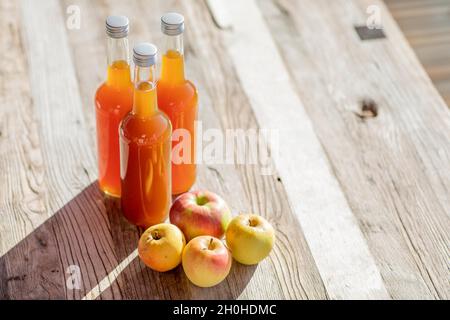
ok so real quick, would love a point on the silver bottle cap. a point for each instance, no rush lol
(172, 24)
(117, 26)
(144, 54)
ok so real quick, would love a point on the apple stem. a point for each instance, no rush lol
(210, 243)
(201, 200)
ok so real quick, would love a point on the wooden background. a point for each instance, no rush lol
(360, 197)
(426, 25)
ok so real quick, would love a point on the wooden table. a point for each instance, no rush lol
(360, 195)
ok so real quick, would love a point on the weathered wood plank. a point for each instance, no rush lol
(23, 197)
(426, 25)
(337, 245)
(266, 193)
(78, 233)
(392, 167)
(106, 239)
(385, 175)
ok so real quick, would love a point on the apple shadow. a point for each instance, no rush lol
(68, 255)
(144, 283)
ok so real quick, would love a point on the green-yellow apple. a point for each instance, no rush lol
(200, 213)
(250, 238)
(206, 261)
(161, 246)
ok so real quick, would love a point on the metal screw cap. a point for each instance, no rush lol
(144, 54)
(172, 24)
(117, 26)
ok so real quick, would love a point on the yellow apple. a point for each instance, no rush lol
(206, 261)
(250, 238)
(161, 246)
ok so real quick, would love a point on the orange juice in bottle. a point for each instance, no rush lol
(113, 99)
(177, 97)
(145, 147)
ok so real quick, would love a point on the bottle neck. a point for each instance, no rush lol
(145, 100)
(118, 62)
(172, 68)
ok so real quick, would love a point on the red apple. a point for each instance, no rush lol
(206, 261)
(199, 213)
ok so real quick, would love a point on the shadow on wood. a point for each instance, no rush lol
(140, 282)
(90, 235)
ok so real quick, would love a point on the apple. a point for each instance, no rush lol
(199, 213)
(206, 261)
(161, 246)
(250, 238)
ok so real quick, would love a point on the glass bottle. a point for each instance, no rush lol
(145, 147)
(178, 98)
(113, 99)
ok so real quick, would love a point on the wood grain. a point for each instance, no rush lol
(391, 167)
(426, 26)
(78, 232)
(265, 193)
(359, 197)
(89, 232)
(336, 243)
(216, 107)
(23, 197)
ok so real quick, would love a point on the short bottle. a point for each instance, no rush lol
(113, 99)
(145, 147)
(178, 98)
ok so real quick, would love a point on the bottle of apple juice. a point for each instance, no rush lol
(145, 147)
(177, 97)
(113, 99)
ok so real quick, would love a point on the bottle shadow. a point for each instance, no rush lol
(82, 245)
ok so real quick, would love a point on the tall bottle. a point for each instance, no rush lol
(113, 99)
(145, 147)
(177, 97)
